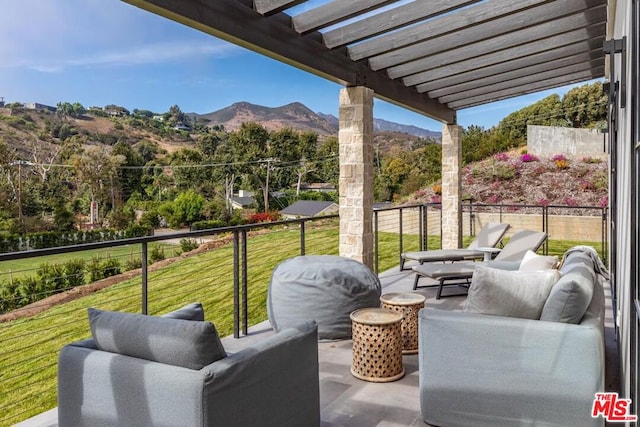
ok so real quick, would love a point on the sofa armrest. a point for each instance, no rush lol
(98, 388)
(490, 370)
(277, 379)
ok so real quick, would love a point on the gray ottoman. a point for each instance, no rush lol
(324, 288)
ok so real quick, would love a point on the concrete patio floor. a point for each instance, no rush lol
(346, 401)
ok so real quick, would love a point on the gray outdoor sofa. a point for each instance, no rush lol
(156, 371)
(491, 370)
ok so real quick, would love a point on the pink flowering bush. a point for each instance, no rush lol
(501, 157)
(436, 199)
(570, 201)
(493, 199)
(542, 202)
(527, 157)
(604, 202)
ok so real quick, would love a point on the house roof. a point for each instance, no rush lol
(431, 56)
(306, 208)
(243, 201)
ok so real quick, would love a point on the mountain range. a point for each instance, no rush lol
(298, 116)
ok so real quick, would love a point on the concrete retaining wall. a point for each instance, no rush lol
(576, 143)
(561, 227)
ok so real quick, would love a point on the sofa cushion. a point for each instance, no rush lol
(193, 311)
(534, 262)
(186, 343)
(509, 293)
(571, 296)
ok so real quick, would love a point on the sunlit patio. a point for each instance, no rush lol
(348, 401)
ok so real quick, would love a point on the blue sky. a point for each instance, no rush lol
(100, 52)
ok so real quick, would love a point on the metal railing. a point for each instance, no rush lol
(232, 278)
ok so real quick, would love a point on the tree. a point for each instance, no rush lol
(585, 106)
(186, 209)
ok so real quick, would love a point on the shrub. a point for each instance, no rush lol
(501, 157)
(504, 171)
(570, 201)
(207, 224)
(263, 217)
(560, 161)
(156, 254)
(589, 159)
(526, 158)
(604, 202)
(586, 185)
(111, 267)
(187, 245)
(437, 189)
(493, 199)
(94, 268)
(133, 263)
(74, 272)
(542, 202)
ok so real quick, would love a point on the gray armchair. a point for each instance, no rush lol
(272, 383)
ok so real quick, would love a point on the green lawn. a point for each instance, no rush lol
(28, 266)
(30, 346)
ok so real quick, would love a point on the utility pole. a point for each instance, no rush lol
(19, 163)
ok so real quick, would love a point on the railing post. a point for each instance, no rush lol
(425, 235)
(420, 228)
(545, 227)
(604, 240)
(245, 314)
(375, 241)
(144, 279)
(302, 238)
(236, 285)
(471, 233)
(400, 230)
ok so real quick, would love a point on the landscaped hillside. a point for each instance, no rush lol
(521, 178)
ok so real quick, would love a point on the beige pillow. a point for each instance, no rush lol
(509, 293)
(534, 262)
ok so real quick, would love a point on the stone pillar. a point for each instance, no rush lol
(451, 187)
(355, 139)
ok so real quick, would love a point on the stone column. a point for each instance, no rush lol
(355, 139)
(451, 187)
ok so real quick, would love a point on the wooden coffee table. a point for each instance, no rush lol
(377, 345)
(408, 304)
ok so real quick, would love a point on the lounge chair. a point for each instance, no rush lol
(508, 258)
(488, 237)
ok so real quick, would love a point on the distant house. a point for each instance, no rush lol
(181, 126)
(238, 202)
(243, 200)
(309, 208)
(324, 187)
(39, 107)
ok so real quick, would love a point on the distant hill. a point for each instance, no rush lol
(299, 117)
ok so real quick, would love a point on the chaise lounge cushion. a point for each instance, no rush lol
(509, 293)
(178, 342)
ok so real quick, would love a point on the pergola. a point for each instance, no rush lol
(433, 57)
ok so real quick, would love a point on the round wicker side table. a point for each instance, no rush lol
(408, 304)
(377, 345)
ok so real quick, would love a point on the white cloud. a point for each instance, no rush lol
(53, 35)
(155, 53)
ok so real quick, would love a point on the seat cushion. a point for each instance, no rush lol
(509, 293)
(324, 288)
(178, 342)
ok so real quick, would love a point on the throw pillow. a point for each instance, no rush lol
(509, 293)
(178, 342)
(571, 296)
(193, 311)
(534, 262)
